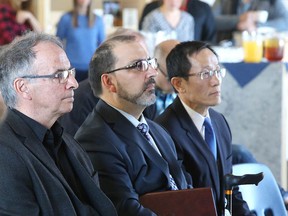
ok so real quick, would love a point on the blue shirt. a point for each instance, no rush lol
(163, 100)
(80, 42)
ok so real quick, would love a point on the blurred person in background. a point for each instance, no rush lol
(171, 20)
(202, 13)
(239, 15)
(82, 32)
(16, 17)
(164, 90)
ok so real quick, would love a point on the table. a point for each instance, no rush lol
(255, 103)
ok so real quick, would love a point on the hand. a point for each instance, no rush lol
(23, 16)
(247, 21)
(26, 16)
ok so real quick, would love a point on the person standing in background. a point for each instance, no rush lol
(15, 20)
(82, 32)
(170, 19)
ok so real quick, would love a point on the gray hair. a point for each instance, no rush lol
(17, 59)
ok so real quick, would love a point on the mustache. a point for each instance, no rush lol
(150, 81)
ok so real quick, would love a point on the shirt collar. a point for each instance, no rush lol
(131, 118)
(197, 118)
(38, 129)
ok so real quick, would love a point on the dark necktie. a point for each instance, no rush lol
(144, 129)
(210, 136)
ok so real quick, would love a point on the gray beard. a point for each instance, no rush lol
(142, 98)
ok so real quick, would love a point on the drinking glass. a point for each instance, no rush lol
(252, 46)
(274, 48)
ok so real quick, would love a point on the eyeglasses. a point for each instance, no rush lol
(220, 73)
(141, 65)
(62, 76)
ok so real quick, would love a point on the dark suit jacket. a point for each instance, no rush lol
(84, 102)
(31, 183)
(205, 27)
(128, 165)
(202, 14)
(197, 158)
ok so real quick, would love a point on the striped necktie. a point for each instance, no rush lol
(144, 129)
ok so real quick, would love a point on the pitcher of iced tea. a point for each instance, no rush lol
(274, 47)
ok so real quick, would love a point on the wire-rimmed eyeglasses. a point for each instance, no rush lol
(62, 76)
(220, 73)
(140, 65)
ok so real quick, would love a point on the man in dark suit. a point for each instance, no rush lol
(201, 12)
(131, 161)
(85, 101)
(196, 76)
(43, 170)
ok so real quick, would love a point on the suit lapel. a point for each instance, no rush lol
(37, 149)
(196, 139)
(172, 166)
(98, 199)
(128, 132)
(34, 145)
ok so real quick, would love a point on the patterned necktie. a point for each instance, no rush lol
(144, 129)
(210, 136)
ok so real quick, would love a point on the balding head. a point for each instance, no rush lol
(125, 31)
(161, 52)
(163, 48)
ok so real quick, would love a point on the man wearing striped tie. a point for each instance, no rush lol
(134, 155)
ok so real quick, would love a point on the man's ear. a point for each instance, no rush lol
(22, 88)
(107, 82)
(177, 83)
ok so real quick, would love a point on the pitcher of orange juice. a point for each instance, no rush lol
(252, 46)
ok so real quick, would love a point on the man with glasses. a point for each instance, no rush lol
(202, 135)
(43, 170)
(85, 101)
(133, 154)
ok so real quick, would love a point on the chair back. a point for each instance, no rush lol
(264, 199)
